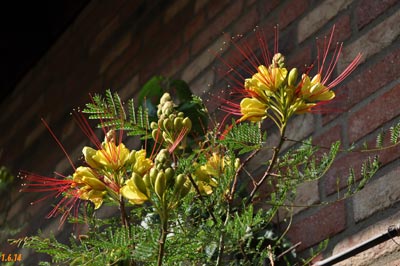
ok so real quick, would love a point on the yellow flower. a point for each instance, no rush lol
(313, 90)
(111, 155)
(266, 81)
(135, 190)
(207, 174)
(90, 187)
(141, 164)
(94, 196)
(253, 109)
(85, 176)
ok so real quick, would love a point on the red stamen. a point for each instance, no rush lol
(59, 143)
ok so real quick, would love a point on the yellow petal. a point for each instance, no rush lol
(253, 109)
(130, 192)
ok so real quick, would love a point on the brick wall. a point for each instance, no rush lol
(120, 44)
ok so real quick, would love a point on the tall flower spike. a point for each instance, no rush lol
(271, 92)
(244, 62)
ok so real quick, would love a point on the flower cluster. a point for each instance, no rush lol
(275, 92)
(183, 181)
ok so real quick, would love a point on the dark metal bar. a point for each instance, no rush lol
(393, 231)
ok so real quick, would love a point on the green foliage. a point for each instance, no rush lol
(304, 164)
(395, 133)
(368, 169)
(244, 137)
(6, 178)
(112, 113)
(189, 201)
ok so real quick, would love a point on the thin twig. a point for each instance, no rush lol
(267, 173)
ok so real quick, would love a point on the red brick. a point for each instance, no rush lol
(270, 5)
(218, 25)
(373, 41)
(318, 17)
(194, 26)
(291, 11)
(247, 23)
(375, 114)
(176, 63)
(325, 223)
(175, 8)
(327, 137)
(342, 31)
(213, 7)
(299, 59)
(104, 34)
(113, 71)
(368, 10)
(119, 46)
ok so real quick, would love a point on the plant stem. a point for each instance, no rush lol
(124, 216)
(161, 242)
(222, 238)
(164, 231)
(209, 210)
(267, 173)
(235, 179)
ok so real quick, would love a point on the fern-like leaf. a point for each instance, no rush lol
(112, 113)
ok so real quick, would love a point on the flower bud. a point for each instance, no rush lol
(131, 157)
(169, 174)
(153, 125)
(166, 137)
(139, 183)
(88, 153)
(178, 123)
(153, 175)
(180, 181)
(147, 181)
(160, 184)
(167, 124)
(187, 123)
(278, 60)
(156, 135)
(237, 163)
(166, 97)
(186, 188)
(292, 77)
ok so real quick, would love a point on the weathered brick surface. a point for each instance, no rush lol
(368, 10)
(291, 11)
(380, 194)
(321, 225)
(195, 25)
(376, 113)
(219, 24)
(248, 22)
(318, 16)
(373, 41)
(202, 61)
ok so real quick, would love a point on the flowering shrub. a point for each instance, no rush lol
(185, 195)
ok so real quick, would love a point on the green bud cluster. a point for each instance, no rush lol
(170, 122)
(162, 178)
